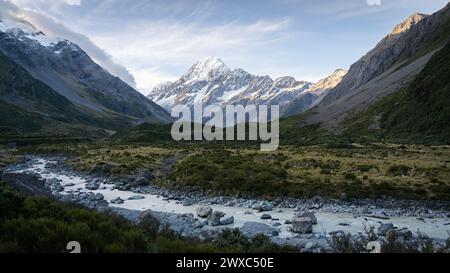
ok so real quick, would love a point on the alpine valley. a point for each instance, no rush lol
(364, 154)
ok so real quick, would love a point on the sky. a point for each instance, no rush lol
(146, 42)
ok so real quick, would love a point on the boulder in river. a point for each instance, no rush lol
(227, 221)
(252, 229)
(263, 206)
(93, 186)
(117, 200)
(53, 182)
(310, 215)
(188, 203)
(98, 197)
(136, 197)
(302, 225)
(266, 217)
(150, 221)
(101, 204)
(214, 218)
(204, 211)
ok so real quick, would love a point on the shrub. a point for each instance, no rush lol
(343, 242)
(365, 168)
(230, 173)
(398, 170)
(233, 239)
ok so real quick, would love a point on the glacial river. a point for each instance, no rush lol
(327, 222)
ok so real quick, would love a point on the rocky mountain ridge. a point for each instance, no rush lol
(210, 81)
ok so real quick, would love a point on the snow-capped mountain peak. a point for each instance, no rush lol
(22, 29)
(209, 69)
(163, 85)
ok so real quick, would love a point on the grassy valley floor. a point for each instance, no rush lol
(355, 171)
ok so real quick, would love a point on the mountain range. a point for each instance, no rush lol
(210, 81)
(399, 89)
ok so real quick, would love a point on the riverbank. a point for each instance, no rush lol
(177, 209)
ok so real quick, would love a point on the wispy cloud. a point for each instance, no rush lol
(148, 46)
(156, 49)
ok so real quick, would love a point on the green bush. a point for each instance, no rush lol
(398, 170)
(41, 225)
(229, 173)
(233, 239)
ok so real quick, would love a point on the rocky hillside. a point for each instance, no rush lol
(314, 95)
(412, 38)
(392, 65)
(210, 81)
(30, 107)
(67, 70)
(418, 113)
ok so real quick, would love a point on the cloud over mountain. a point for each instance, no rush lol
(55, 29)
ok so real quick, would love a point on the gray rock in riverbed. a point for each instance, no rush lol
(310, 215)
(204, 211)
(227, 221)
(266, 217)
(149, 218)
(98, 197)
(197, 225)
(252, 229)
(136, 197)
(263, 206)
(118, 201)
(188, 203)
(302, 225)
(214, 218)
(52, 181)
(93, 186)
